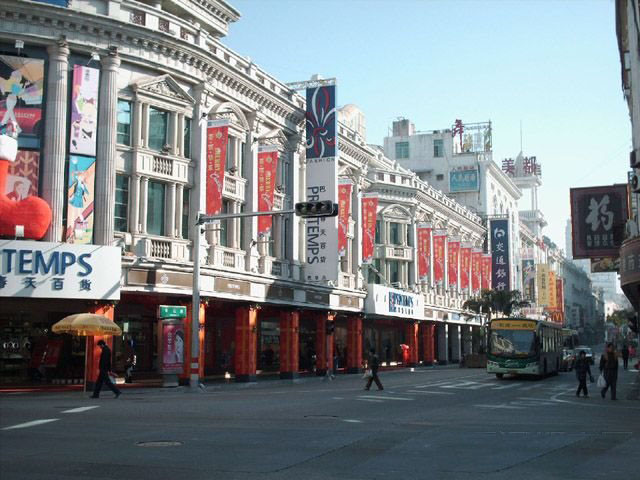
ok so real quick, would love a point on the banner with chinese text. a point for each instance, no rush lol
(267, 169)
(487, 282)
(542, 281)
(424, 251)
(553, 294)
(453, 253)
(439, 241)
(369, 215)
(80, 195)
(344, 213)
(84, 110)
(476, 269)
(500, 268)
(465, 265)
(217, 137)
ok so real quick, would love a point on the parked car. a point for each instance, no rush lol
(588, 352)
(568, 360)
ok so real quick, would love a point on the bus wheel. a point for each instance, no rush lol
(499, 375)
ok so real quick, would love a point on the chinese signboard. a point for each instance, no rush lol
(383, 300)
(522, 167)
(172, 311)
(453, 252)
(553, 294)
(605, 264)
(267, 168)
(476, 269)
(465, 266)
(500, 267)
(471, 137)
(344, 214)
(424, 251)
(217, 137)
(84, 110)
(369, 215)
(80, 197)
(59, 270)
(464, 179)
(439, 240)
(542, 279)
(598, 218)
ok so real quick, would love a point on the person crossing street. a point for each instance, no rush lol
(105, 368)
(374, 364)
(582, 370)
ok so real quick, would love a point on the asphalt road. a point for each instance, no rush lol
(446, 422)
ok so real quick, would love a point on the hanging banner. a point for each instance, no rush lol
(22, 181)
(542, 280)
(80, 195)
(465, 266)
(424, 251)
(344, 214)
(453, 254)
(84, 110)
(267, 170)
(217, 137)
(528, 279)
(560, 294)
(439, 240)
(486, 272)
(553, 298)
(369, 215)
(500, 268)
(476, 269)
(321, 122)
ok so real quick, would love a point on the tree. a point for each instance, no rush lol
(492, 302)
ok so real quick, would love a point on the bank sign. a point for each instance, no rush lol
(59, 270)
(393, 302)
(464, 179)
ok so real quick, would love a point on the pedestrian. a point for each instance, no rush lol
(131, 362)
(609, 369)
(374, 364)
(625, 356)
(105, 368)
(582, 370)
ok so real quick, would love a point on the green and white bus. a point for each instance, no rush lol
(523, 346)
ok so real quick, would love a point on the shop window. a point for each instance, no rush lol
(158, 129)
(438, 148)
(378, 232)
(394, 233)
(402, 150)
(122, 203)
(124, 123)
(394, 272)
(187, 138)
(155, 208)
(185, 213)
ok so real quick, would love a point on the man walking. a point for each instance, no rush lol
(625, 356)
(105, 368)
(582, 369)
(374, 364)
(609, 368)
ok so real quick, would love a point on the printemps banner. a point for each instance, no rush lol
(476, 269)
(267, 168)
(424, 251)
(486, 272)
(465, 266)
(453, 253)
(344, 211)
(500, 275)
(369, 215)
(80, 195)
(217, 136)
(439, 240)
(84, 110)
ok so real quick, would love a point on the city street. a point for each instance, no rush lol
(443, 422)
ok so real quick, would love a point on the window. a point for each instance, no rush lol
(231, 143)
(392, 178)
(394, 233)
(185, 213)
(381, 177)
(377, 264)
(158, 129)
(187, 138)
(439, 177)
(394, 272)
(243, 148)
(438, 148)
(124, 122)
(122, 203)
(155, 208)
(402, 150)
(378, 232)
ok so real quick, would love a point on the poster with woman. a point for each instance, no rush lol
(173, 339)
(84, 110)
(80, 200)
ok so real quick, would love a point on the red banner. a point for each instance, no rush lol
(453, 253)
(267, 168)
(217, 135)
(476, 270)
(439, 239)
(369, 215)
(424, 251)
(344, 210)
(486, 272)
(465, 266)
(560, 294)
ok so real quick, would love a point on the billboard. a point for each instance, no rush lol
(267, 169)
(84, 110)
(476, 269)
(369, 216)
(598, 219)
(424, 251)
(321, 122)
(605, 264)
(528, 279)
(22, 181)
(345, 188)
(80, 196)
(173, 347)
(500, 264)
(464, 179)
(217, 137)
(486, 272)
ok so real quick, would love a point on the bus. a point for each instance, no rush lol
(523, 346)
(570, 338)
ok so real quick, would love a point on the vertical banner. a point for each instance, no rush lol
(267, 169)
(465, 265)
(553, 299)
(453, 254)
(560, 298)
(344, 212)
(528, 279)
(542, 280)
(80, 195)
(486, 272)
(424, 251)
(369, 214)
(217, 137)
(321, 175)
(439, 240)
(500, 275)
(476, 269)
(84, 110)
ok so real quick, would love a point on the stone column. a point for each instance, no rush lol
(428, 346)
(454, 340)
(189, 361)
(134, 206)
(354, 344)
(246, 342)
(411, 338)
(289, 344)
(324, 343)
(55, 138)
(105, 185)
(171, 211)
(443, 344)
(174, 135)
(136, 133)
(144, 195)
(179, 212)
(251, 196)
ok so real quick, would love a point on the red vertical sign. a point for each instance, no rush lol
(369, 215)
(424, 251)
(344, 210)
(476, 269)
(217, 135)
(465, 266)
(486, 272)
(439, 239)
(267, 169)
(453, 253)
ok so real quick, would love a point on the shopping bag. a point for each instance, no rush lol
(601, 382)
(112, 377)
(367, 373)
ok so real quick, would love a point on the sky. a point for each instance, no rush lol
(551, 65)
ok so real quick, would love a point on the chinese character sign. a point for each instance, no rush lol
(542, 280)
(84, 111)
(344, 214)
(453, 253)
(321, 120)
(464, 180)
(465, 266)
(598, 217)
(369, 215)
(500, 268)
(553, 300)
(267, 169)
(217, 137)
(424, 251)
(80, 196)
(476, 269)
(486, 265)
(439, 240)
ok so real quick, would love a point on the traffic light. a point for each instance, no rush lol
(323, 208)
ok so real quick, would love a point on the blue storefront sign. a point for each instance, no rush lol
(500, 265)
(464, 180)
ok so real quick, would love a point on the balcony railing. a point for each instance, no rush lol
(347, 280)
(226, 257)
(173, 249)
(275, 267)
(394, 252)
(234, 187)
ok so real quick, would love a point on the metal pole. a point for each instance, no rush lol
(194, 378)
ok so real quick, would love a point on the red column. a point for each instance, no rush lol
(246, 338)
(93, 351)
(354, 344)
(188, 359)
(411, 335)
(428, 339)
(324, 343)
(289, 344)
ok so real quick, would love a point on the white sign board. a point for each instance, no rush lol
(392, 302)
(59, 270)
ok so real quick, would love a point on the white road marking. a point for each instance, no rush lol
(510, 407)
(369, 400)
(31, 424)
(531, 387)
(80, 409)
(429, 393)
(338, 398)
(510, 385)
(378, 397)
(468, 385)
(351, 420)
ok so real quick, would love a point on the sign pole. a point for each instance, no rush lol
(194, 377)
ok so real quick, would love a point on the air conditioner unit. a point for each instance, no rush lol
(635, 182)
(634, 159)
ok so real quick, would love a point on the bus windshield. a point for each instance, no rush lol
(513, 342)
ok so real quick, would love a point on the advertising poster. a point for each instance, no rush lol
(464, 179)
(439, 240)
(553, 300)
(321, 122)
(21, 93)
(542, 280)
(528, 279)
(369, 215)
(80, 197)
(476, 269)
(453, 253)
(500, 268)
(344, 213)
(424, 251)
(605, 264)
(84, 110)
(267, 169)
(465, 266)
(22, 181)
(487, 281)
(217, 137)
(173, 346)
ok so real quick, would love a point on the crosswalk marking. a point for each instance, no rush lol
(380, 397)
(80, 409)
(369, 400)
(31, 424)
(504, 387)
(425, 392)
(508, 407)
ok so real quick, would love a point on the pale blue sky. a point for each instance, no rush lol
(551, 64)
